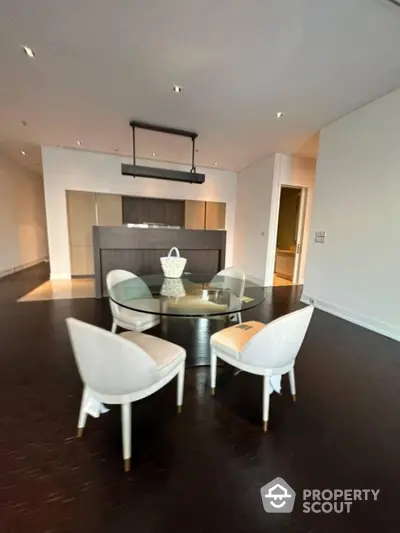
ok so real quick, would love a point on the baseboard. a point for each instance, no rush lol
(254, 279)
(18, 268)
(378, 326)
(59, 276)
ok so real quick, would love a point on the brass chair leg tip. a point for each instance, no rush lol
(179, 409)
(79, 433)
(212, 391)
(265, 427)
(127, 465)
(294, 397)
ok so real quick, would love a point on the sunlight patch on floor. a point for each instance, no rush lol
(60, 290)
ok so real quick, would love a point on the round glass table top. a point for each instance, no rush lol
(192, 295)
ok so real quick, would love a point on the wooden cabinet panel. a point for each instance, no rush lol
(195, 214)
(136, 210)
(81, 209)
(82, 260)
(215, 215)
(109, 209)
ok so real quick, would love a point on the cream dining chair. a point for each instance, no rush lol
(127, 318)
(121, 369)
(232, 279)
(266, 350)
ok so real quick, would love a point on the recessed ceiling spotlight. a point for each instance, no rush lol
(177, 88)
(279, 114)
(215, 163)
(28, 51)
(24, 123)
(78, 143)
(23, 153)
(154, 154)
(116, 149)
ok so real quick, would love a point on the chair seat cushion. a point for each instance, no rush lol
(232, 340)
(129, 318)
(163, 353)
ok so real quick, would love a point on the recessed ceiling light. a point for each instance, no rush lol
(215, 163)
(24, 123)
(23, 153)
(177, 88)
(116, 149)
(28, 51)
(78, 143)
(279, 114)
(154, 154)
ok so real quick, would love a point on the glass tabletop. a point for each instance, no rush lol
(192, 295)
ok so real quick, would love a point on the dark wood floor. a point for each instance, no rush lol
(200, 471)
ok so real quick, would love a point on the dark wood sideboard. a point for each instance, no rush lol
(139, 250)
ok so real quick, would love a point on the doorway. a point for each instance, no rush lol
(289, 235)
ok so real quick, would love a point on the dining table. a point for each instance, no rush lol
(191, 307)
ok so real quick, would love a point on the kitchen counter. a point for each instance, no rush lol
(139, 250)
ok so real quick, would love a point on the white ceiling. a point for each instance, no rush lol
(100, 63)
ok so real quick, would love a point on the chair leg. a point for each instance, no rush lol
(292, 384)
(82, 413)
(213, 370)
(114, 327)
(126, 435)
(265, 403)
(179, 390)
(239, 318)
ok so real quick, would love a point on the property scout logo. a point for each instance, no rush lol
(279, 497)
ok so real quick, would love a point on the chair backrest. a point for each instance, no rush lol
(231, 278)
(108, 363)
(116, 276)
(278, 344)
(138, 289)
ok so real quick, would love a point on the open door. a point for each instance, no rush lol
(299, 235)
(290, 233)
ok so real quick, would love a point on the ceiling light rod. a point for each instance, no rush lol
(160, 173)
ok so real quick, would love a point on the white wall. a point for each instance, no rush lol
(254, 194)
(67, 169)
(355, 274)
(297, 172)
(257, 211)
(23, 238)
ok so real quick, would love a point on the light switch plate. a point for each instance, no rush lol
(320, 236)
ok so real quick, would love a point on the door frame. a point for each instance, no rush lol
(273, 232)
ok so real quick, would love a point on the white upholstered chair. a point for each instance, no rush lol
(127, 318)
(267, 350)
(121, 369)
(232, 279)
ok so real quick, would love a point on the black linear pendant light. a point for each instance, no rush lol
(162, 173)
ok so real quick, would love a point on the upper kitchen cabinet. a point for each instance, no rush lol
(215, 215)
(195, 214)
(109, 209)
